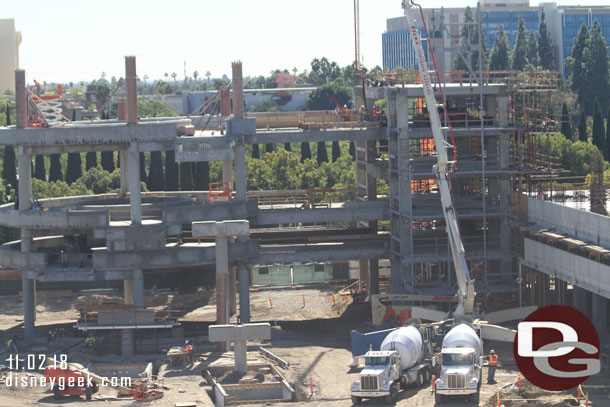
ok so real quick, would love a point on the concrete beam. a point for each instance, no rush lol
(321, 253)
(224, 228)
(348, 212)
(87, 136)
(293, 136)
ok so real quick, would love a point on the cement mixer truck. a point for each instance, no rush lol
(461, 363)
(403, 360)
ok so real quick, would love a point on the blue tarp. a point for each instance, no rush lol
(361, 342)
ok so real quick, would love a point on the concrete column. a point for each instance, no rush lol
(241, 357)
(232, 291)
(124, 161)
(238, 91)
(600, 313)
(132, 90)
(244, 293)
(374, 276)
(27, 285)
(222, 280)
(579, 299)
(21, 99)
(128, 288)
(138, 288)
(135, 196)
(240, 171)
(227, 171)
(127, 342)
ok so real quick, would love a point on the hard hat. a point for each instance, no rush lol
(362, 106)
(492, 351)
(344, 105)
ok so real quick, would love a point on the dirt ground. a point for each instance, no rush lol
(314, 338)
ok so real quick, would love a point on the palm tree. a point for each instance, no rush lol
(174, 76)
(195, 75)
(166, 75)
(145, 77)
(208, 74)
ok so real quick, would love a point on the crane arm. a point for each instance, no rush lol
(442, 172)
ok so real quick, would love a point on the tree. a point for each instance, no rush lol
(108, 161)
(40, 172)
(202, 176)
(322, 97)
(256, 153)
(519, 56)
(322, 154)
(336, 151)
(575, 60)
(9, 166)
(156, 178)
(469, 38)
(90, 160)
(599, 133)
(171, 171)
(155, 108)
(186, 177)
(55, 168)
(305, 151)
(545, 48)
(195, 75)
(75, 168)
(582, 128)
(566, 125)
(102, 92)
(174, 76)
(499, 59)
(323, 71)
(595, 75)
(142, 166)
(532, 49)
(608, 132)
(207, 75)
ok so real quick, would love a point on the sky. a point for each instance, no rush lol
(74, 40)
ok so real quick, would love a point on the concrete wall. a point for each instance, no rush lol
(584, 225)
(271, 275)
(582, 272)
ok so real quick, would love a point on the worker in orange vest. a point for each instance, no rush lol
(346, 113)
(492, 364)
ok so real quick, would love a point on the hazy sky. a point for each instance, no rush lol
(72, 40)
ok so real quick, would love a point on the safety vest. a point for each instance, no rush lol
(493, 360)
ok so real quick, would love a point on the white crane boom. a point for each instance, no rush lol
(441, 171)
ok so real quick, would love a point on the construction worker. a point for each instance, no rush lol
(11, 346)
(345, 113)
(90, 342)
(376, 113)
(362, 112)
(492, 364)
(338, 112)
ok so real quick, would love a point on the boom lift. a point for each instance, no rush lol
(443, 168)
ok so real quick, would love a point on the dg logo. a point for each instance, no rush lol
(557, 348)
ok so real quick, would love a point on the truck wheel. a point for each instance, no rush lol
(438, 398)
(476, 397)
(56, 392)
(88, 393)
(427, 375)
(356, 400)
(392, 398)
(403, 382)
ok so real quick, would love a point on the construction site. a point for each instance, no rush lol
(476, 226)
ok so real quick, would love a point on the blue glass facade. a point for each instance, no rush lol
(510, 20)
(397, 49)
(570, 25)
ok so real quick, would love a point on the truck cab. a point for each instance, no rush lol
(379, 377)
(460, 373)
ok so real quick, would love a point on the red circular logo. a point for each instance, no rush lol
(557, 348)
